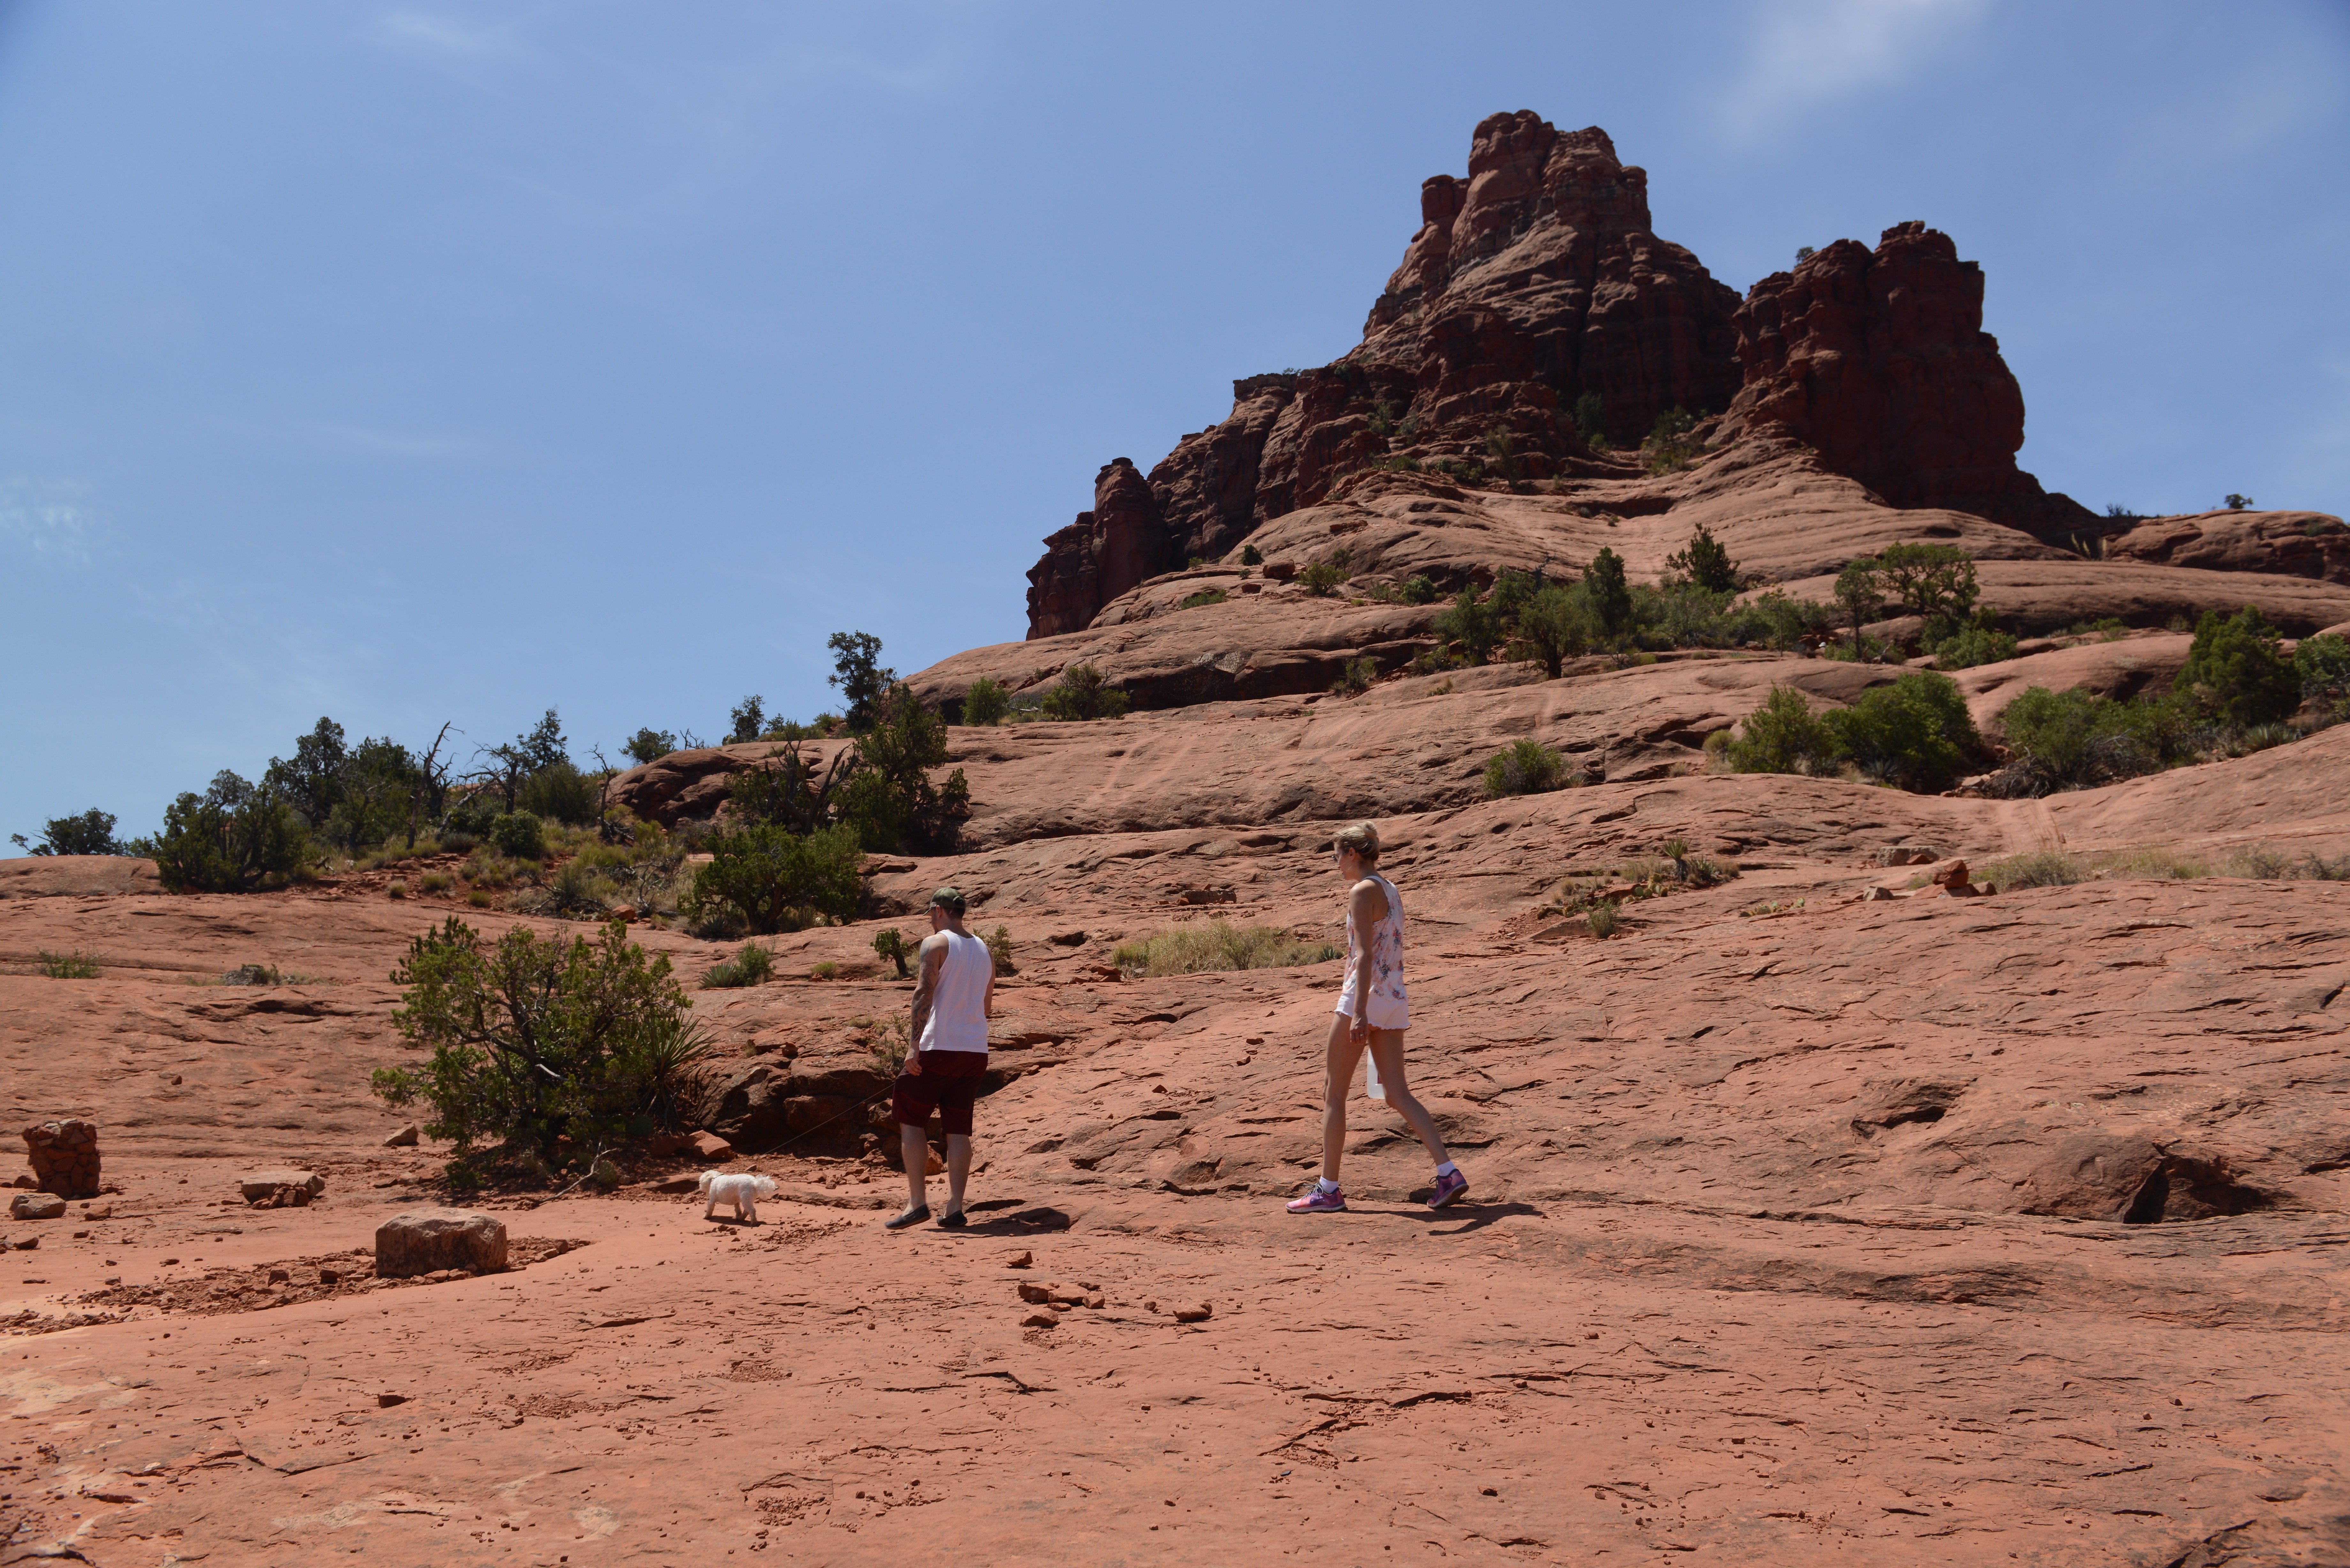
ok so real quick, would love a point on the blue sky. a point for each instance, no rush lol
(411, 363)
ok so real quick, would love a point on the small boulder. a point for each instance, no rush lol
(405, 1138)
(1040, 1320)
(1035, 1292)
(1020, 1261)
(64, 1156)
(284, 1188)
(1067, 938)
(37, 1206)
(667, 1146)
(1193, 1311)
(430, 1240)
(709, 1148)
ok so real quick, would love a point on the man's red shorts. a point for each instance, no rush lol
(949, 1083)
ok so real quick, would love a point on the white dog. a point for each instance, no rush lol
(742, 1191)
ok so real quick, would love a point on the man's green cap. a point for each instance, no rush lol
(948, 898)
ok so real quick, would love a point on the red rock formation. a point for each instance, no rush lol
(2285, 544)
(1100, 556)
(1878, 361)
(1532, 281)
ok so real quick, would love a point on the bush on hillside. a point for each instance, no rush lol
(1528, 767)
(1704, 563)
(985, 703)
(519, 834)
(536, 1039)
(2322, 663)
(1082, 693)
(1321, 579)
(772, 880)
(1916, 733)
(91, 833)
(752, 966)
(560, 792)
(2235, 673)
(1782, 736)
(235, 837)
(649, 746)
(1972, 645)
(1935, 582)
(1418, 590)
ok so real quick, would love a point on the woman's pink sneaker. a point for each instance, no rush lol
(1317, 1201)
(1448, 1185)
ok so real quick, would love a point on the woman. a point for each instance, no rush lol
(1372, 1013)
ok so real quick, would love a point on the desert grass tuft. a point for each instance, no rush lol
(76, 965)
(1218, 945)
(2036, 869)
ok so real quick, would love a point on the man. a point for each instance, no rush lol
(952, 996)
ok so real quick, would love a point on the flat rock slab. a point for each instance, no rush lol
(256, 1185)
(427, 1240)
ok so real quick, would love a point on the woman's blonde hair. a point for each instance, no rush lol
(1363, 839)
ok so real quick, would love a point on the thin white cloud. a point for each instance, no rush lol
(1809, 51)
(49, 520)
(451, 40)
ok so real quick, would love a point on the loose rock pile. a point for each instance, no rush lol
(64, 1155)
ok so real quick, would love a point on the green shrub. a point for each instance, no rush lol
(559, 792)
(1357, 678)
(857, 671)
(91, 833)
(1705, 562)
(1250, 556)
(2234, 672)
(1971, 646)
(2238, 502)
(1591, 421)
(1936, 582)
(1469, 622)
(1205, 596)
(520, 835)
(1782, 736)
(232, 838)
(1082, 693)
(985, 703)
(1608, 595)
(479, 898)
(1218, 945)
(75, 965)
(890, 943)
(2322, 663)
(1604, 917)
(1528, 767)
(1670, 445)
(772, 880)
(1418, 590)
(395, 888)
(1554, 625)
(1916, 733)
(536, 1039)
(823, 970)
(649, 746)
(436, 881)
(1321, 579)
(1860, 590)
(999, 948)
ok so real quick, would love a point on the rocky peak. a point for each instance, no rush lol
(1878, 361)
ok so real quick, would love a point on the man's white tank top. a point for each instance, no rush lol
(958, 1019)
